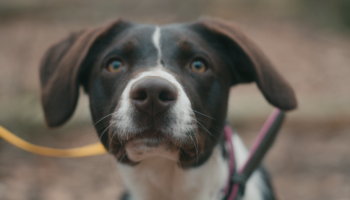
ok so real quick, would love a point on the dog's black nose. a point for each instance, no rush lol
(153, 95)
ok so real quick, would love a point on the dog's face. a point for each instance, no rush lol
(157, 91)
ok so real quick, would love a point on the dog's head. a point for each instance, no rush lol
(157, 91)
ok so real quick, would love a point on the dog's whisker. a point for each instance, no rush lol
(89, 136)
(121, 142)
(100, 128)
(196, 149)
(195, 135)
(122, 157)
(103, 118)
(212, 138)
(202, 114)
(216, 128)
(111, 140)
(104, 132)
(204, 128)
(179, 163)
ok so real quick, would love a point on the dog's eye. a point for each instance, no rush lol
(198, 66)
(115, 66)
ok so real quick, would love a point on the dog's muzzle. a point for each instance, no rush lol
(153, 118)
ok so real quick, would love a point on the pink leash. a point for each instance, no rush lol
(234, 189)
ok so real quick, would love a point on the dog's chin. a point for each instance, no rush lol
(151, 144)
(139, 149)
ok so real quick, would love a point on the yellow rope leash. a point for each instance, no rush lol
(88, 150)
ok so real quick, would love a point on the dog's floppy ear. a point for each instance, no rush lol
(60, 70)
(249, 63)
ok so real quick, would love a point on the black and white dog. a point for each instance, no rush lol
(158, 95)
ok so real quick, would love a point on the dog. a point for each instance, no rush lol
(158, 97)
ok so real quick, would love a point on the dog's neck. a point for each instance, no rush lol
(160, 178)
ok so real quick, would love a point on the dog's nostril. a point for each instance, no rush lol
(167, 95)
(153, 95)
(139, 94)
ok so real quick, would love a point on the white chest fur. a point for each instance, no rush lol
(162, 179)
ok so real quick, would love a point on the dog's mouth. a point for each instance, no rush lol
(151, 143)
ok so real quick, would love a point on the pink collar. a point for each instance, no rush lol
(234, 189)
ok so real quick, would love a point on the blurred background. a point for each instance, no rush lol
(307, 40)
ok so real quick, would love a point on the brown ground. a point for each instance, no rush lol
(310, 160)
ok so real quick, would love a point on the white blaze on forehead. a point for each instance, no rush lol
(182, 117)
(156, 42)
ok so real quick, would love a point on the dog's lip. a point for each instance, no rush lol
(155, 135)
(191, 152)
(143, 136)
(147, 134)
(120, 153)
